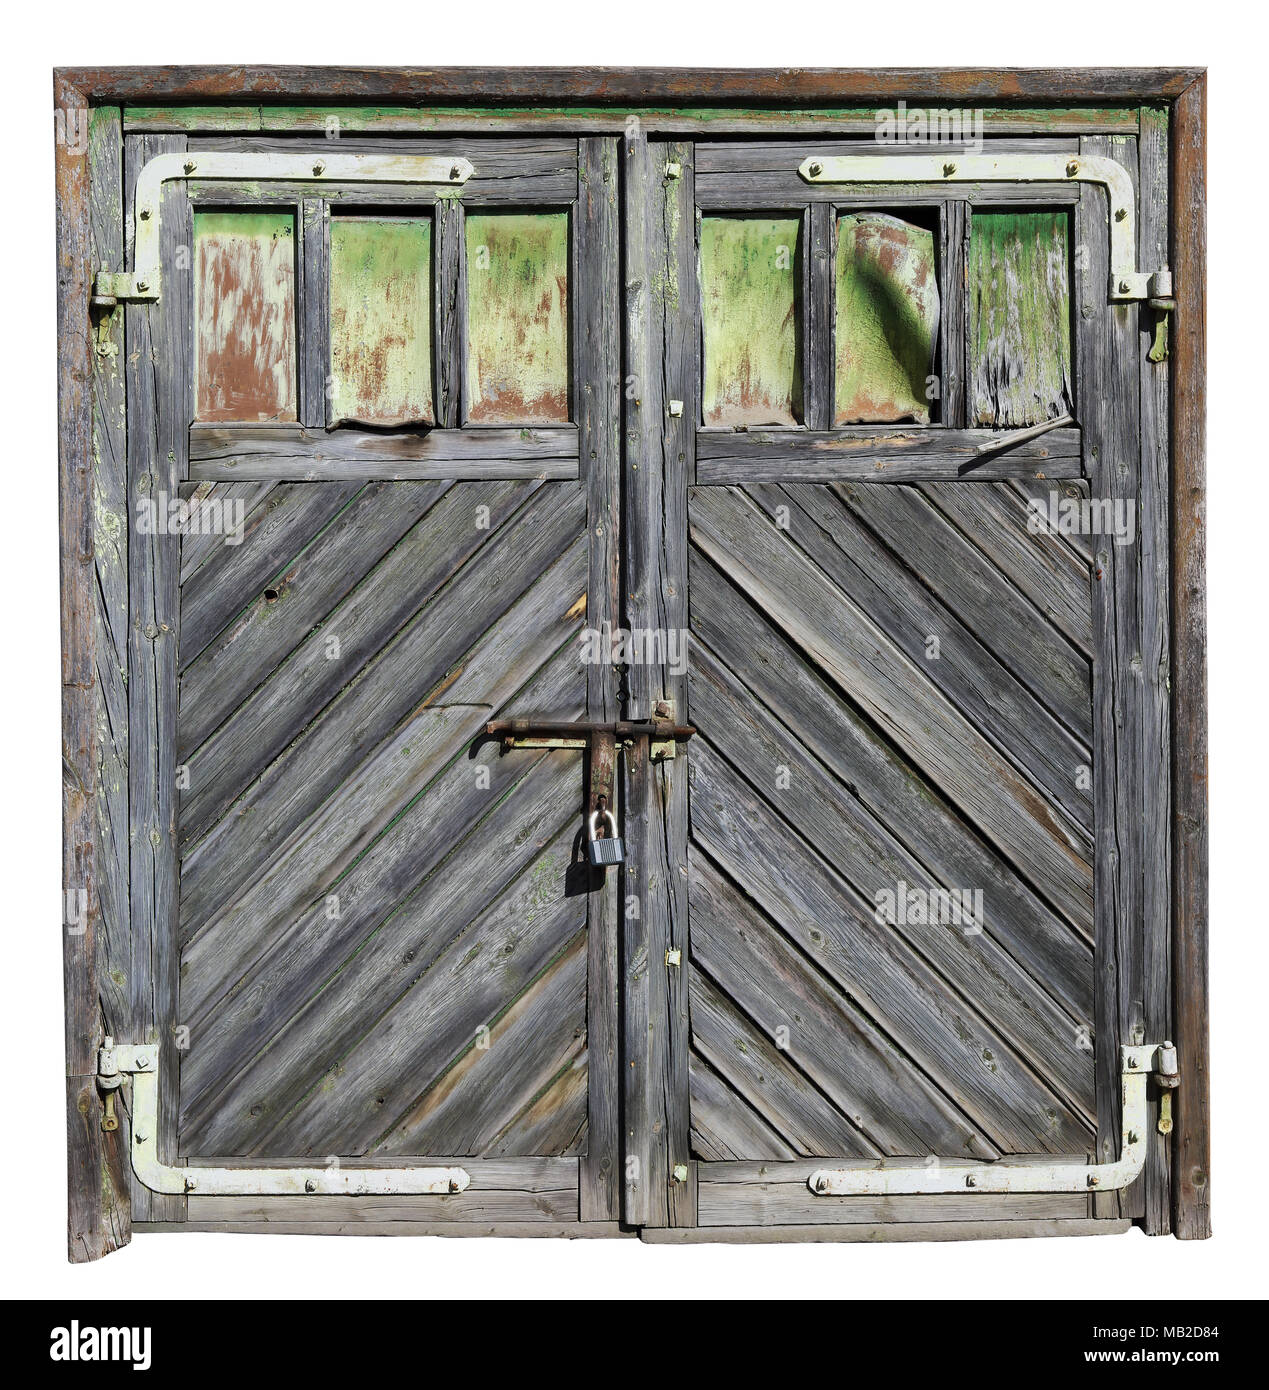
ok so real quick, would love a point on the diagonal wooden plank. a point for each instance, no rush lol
(361, 627)
(831, 732)
(410, 1046)
(949, 1042)
(297, 962)
(1043, 566)
(556, 1122)
(199, 545)
(826, 625)
(416, 669)
(973, 680)
(802, 792)
(238, 1116)
(754, 1067)
(989, 605)
(540, 1034)
(723, 1125)
(244, 654)
(830, 1040)
(231, 577)
(309, 864)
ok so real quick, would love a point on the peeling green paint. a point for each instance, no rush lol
(517, 318)
(381, 320)
(887, 319)
(1019, 318)
(749, 320)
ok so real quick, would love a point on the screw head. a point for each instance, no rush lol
(455, 173)
(971, 1181)
(144, 214)
(949, 170)
(815, 168)
(1072, 168)
(319, 167)
(190, 166)
(310, 1185)
(142, 1062)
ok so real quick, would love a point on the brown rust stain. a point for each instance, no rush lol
(244, 315)
(517, 318)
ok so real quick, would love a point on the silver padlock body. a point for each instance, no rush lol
(606, 851)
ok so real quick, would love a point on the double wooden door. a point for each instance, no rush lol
(619, 427)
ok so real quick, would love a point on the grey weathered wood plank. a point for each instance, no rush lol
(799, 791)
(819, 237)
(956, 1051)
(556, 1121)
(953, 288)
(313, 310)
(312, 1010)
(295, 453)
(900, 1232)
(159, 409)
(1054, 670)
(247, 650)
(234, 576)
(597, 406)
(449, 296)
(951, 752)
(1049, 570)
(878, 456)
(1110, 404)
(409, 673)
(827, 727)
(830, 1039)
(963, 668)
(482, 1094)
(723, 1125)
(781, 1099)
(1154, 524)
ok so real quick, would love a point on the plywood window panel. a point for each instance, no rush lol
(1019, 317)
(517, 318)
(244, 315)
(749, 321)
(887, 320)
(381, 321)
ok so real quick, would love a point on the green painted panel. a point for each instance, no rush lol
(381, 320)
(887, 319)
(517, 318)
(244, 316)
(1019, 318)
(749, 328)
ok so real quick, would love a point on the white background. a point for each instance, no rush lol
(647, 33)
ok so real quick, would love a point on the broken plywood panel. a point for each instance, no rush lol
(517, 318)
(244, 316)
(381, 320)
(749, 321)
(1019, 318)
(887, 319)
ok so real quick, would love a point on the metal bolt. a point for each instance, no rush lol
(680, 1172)
(949, 170)
(1132, 1136)
(455, 172)
(673, 169)
(1093, 1180)
(310, 1185)
(1073, 168)
(144, 214)
(1132, 1061)
(190, 1184)
(676, 407)
(143, 285)
(190, 166)
(142, 1061)
(673, 956)
(1124, 287)
(1120, 214)
(971, 1181)
(453, 1185)
(815, 168)
(319, 167)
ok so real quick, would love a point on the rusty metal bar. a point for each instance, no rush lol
(581, 731)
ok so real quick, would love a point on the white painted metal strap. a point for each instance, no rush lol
(1126, 281)
(143, 1065)
(879, 1181)
(308, 167)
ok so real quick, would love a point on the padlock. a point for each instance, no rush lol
(607, 849)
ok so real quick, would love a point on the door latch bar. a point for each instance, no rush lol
(309, 167)
(532, 732)
(142, 1064)
(1126, 281)
(1137, 1065)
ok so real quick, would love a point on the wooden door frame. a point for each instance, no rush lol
(87, 105)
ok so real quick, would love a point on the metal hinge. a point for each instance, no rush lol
(141, 1063)
(142, 283)
(892, 1177)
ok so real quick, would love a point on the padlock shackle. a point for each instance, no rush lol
(612, 821)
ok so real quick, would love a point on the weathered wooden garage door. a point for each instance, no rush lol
(399, 490)
(900, 872)
(888, 903)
